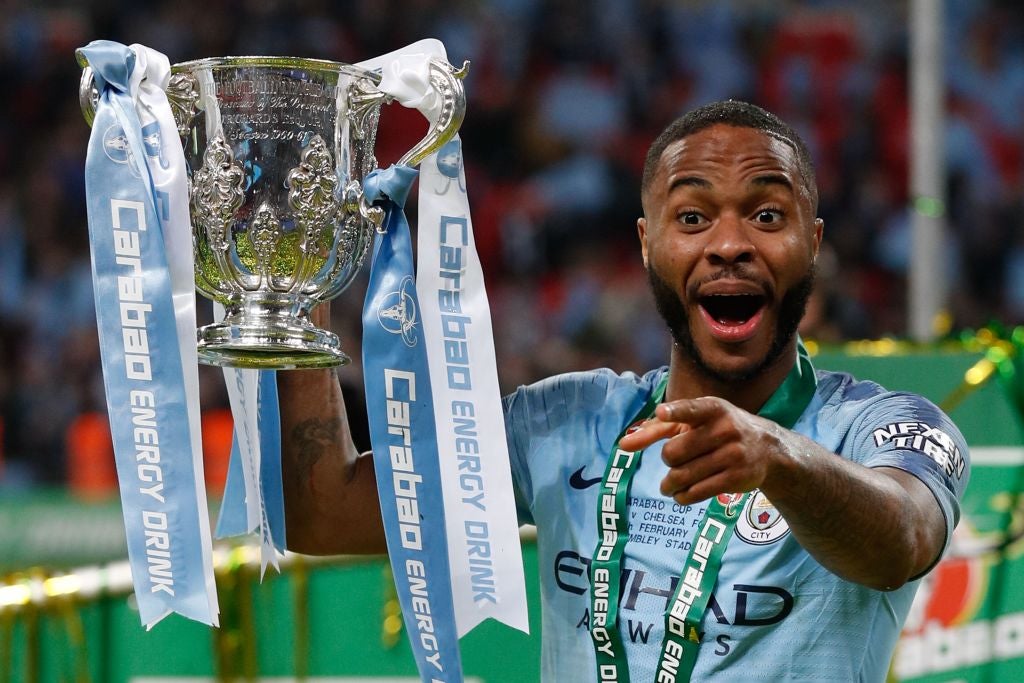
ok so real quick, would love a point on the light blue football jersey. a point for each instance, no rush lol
(776, 614)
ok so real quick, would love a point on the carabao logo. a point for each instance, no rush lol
(118, 149)
(397, 312)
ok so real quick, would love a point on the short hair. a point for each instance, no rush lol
(740, 115)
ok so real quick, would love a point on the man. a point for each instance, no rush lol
(853, 491)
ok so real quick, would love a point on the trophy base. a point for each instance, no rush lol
(269, 332)
(235, 346)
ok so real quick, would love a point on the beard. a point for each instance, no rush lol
(673, 312)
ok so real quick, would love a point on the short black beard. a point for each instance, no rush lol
(673, 312)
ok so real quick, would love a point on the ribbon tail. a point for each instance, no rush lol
(271, 487)
(140, 241)
(398, 394)
(232, 518)
(456, 312)
(242, 386)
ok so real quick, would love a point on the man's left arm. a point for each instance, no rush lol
(876, 526)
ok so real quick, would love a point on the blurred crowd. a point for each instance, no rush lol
(564, 98)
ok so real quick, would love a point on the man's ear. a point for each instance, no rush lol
(819, 229)
(641, 230)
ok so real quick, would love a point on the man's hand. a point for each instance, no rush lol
(713, 447)
(879, 527)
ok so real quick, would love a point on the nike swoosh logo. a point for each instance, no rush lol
(578, 482)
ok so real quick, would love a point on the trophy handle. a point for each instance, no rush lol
(183, 95)
(447, 82)
(88, 95)
(181, 92)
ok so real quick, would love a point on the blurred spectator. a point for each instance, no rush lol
(565, 96)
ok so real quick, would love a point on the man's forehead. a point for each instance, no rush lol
(724, 144)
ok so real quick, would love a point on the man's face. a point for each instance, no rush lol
(729, 240)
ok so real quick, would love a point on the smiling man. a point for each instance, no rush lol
(748, 286)
(733, 516)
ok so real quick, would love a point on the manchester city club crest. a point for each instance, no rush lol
(117, 149)
(397, 312)
(761, 523)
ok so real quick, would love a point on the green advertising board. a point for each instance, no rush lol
(967, 623)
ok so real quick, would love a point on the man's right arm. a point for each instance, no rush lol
(330, 493)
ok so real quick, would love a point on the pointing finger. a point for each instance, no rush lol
(649, 432)
(693, 412)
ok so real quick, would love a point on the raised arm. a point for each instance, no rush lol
(330, 493)
(879, 527)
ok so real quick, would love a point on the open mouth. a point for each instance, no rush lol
(733, 317)
(732, 310)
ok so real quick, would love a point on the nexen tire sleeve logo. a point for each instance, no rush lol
(925, 439)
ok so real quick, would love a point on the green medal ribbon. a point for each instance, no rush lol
(694, 589)
(696, 583)
(613, 532)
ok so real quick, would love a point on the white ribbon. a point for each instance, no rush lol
(480, 515)
(244, 398)
(149, 79)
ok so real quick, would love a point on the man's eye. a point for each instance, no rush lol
(768, 216)
(690, 218)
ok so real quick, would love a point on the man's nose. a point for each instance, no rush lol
(729, 242)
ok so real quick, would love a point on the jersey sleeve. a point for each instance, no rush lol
(515, 407)
(910, 433)
(533, 411)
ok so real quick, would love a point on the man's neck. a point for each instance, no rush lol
(687, 379)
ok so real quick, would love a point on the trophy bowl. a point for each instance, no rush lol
(276, 149)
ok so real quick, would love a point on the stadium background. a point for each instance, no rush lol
(564, 97)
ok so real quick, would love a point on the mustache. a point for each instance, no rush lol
(733, 271)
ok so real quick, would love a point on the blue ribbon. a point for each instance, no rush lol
(142, 367)
(402, 432)
(233, 519)
(271, 485)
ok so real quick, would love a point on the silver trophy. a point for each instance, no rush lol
(276, 150)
